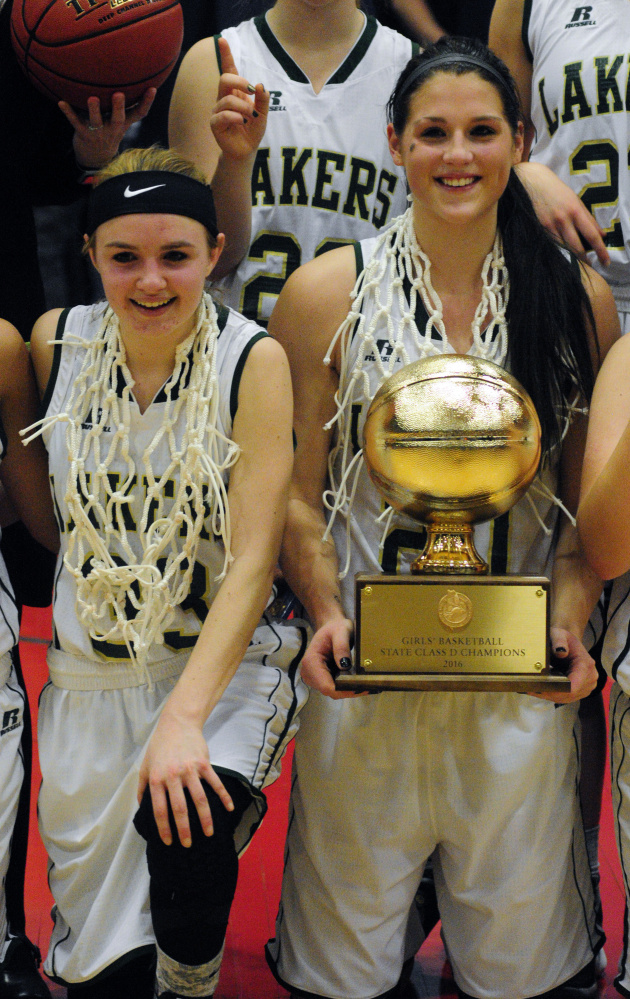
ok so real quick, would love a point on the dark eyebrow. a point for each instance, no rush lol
(130, 246)
(439, 120)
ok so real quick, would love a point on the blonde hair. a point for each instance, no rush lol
(153, 158)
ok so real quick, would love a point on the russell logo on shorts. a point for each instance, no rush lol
(11, 720)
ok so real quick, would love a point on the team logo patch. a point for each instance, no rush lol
(275, 101)
(385, 351)
(11, 720)
(581, 18)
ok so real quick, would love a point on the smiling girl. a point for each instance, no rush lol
(486, 779)
(168, 430)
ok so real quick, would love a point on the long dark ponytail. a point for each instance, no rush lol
(549, 312)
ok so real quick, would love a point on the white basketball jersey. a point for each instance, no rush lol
(237, 336)
(580, 108)
(515, 542)
(9, 620)
(323, 174)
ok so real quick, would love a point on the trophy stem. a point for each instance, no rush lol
(450, 549)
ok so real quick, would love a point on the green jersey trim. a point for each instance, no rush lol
(4, 440)
(222, 316)
(358, 52)
(290, 67)
(527, 13)
(54, 371)
(358, 257)
(238, 370)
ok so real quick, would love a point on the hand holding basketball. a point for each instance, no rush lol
(73, 50)
(239, 118)
(96, 139)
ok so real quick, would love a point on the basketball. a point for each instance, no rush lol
(452, 435)
(75, 49)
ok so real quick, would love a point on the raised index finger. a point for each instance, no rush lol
(226, 61)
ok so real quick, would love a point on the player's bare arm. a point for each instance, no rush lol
(42, 348)
(576, 587)
(603, 511)
(419, 18)
(24, 471)
(320, 292)
(177, 757)
(216, 120)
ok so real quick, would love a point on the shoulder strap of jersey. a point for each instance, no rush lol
(54, 371)
(238, 370)
(527, 13)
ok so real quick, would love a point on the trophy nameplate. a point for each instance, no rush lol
(452, 441)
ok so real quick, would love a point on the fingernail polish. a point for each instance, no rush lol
(254, 114)
(250, 89)
(345, 663)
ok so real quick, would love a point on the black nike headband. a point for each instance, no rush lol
(151, 192)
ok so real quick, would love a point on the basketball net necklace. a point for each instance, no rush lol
(401, 263)
(157, 578)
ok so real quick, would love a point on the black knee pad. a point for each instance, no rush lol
(172, 865)
(133, 978)
(192, 888)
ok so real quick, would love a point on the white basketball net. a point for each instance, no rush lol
(158, 568)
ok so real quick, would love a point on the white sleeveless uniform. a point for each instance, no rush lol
(580, 57)
(98, 713)
(323, 174)
(489, 779)
(11, 726)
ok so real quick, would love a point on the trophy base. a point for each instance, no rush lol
(517, 683)
(452, 632)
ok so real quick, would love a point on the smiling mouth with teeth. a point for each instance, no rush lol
(152, 305)
(457, 182)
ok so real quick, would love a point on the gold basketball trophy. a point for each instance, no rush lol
(452, 441)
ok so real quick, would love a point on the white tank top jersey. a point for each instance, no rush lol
(323, 174)
(580, 104)
(9, 620)
(236, 338)
(515, 542)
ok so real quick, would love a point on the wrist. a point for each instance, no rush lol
(230, 165)
(326, 613)
(185, 711)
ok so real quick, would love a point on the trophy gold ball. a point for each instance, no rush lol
(452, 441)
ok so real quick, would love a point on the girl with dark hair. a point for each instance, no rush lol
(487, 779)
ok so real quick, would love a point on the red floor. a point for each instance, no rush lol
(244, 974)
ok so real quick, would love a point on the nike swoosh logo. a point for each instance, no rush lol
(141, 190)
